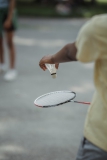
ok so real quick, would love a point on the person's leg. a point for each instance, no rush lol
(11, 74)
(2, 64)
(11, 48)
(88, 151)
(1, 50)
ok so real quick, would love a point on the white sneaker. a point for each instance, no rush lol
(10, 75)
(3, 68)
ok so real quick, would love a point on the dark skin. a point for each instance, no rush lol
(66, 54)
(8, 21)
(9, 36)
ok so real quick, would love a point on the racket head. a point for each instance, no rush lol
(55, 98)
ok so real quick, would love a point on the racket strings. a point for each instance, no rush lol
(54, 98)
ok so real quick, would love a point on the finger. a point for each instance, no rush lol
(42, 66)
(57, 65)
(42, 63)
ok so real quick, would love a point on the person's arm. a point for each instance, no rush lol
(66, 54)
(10, 14)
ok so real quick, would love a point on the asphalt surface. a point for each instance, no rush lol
(31, 133)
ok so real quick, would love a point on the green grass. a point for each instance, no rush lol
(102, 1)
(49, 11)
(37, 11)
(90, 11)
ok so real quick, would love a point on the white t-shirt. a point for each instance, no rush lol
(91, 46)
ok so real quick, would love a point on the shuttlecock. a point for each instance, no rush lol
(52, 69)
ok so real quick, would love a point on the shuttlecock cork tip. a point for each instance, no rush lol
(54, 75)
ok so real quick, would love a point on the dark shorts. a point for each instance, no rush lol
(89, 151)
(3, 17)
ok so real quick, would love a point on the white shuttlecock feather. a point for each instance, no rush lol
(52, 69)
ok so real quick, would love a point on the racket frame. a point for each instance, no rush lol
(70, 100)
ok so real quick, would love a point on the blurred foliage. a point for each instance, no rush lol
(47, 8)
(56, 1)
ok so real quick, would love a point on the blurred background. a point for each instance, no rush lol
(61, 8)
(28, 132)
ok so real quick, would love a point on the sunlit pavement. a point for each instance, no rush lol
(31, 133)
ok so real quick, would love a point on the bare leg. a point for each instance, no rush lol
(11, 74)
(1, 51)
(10, 44)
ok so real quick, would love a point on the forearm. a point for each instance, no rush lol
(66, 54)
(11, 9)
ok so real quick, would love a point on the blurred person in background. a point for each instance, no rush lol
(64, 7)
(8, 23)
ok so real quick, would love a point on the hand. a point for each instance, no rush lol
(49, 60)
(7, 24)
(57, 65)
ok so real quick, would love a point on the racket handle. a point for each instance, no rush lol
(82, 102)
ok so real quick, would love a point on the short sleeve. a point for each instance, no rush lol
(91, 41)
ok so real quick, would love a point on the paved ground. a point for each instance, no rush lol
(30, 133)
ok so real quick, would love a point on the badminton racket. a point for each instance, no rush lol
(56, 98)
